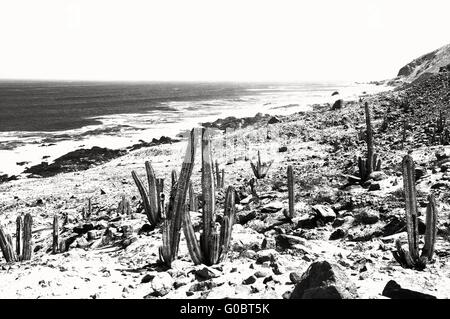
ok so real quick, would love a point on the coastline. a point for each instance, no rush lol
(321, 145)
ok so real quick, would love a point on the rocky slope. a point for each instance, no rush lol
(339, 243)
(422, 67)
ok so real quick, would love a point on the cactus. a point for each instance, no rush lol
(261, 169)
(411, 258)
(87, 212)
(289, 214)
(150, 199)
(23, 240)
(55, 245)
(173, 218)
(371, 163)
(6, 246)
(193, 203)
(217, 171)
(27, 240)
(214, 243)
(19, 230)
(124, 206)
(174, 178)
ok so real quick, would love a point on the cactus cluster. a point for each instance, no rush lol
(23, 247)
(371, 163)
(260, 169)
(172, 216)
(410, 258)
(214, 242)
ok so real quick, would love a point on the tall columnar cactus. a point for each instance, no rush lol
(261, 169)
(19, 230)
(290, 178)
(27, 238)
(7, 247)
(371, 163)
(411, 258)
(173, 218)
(214, 242)
(150, 199)
(55, 244)
(23, 246)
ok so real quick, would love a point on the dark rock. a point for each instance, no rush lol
(246, 217)
(338, 234)
(78, 160)
(366, 215)
(272, 207)
(420, 172)
(374, 187)
(295, 278)
(339, 104)
(145, 229)
(288, 241)
(282, 149)
(335, 93)
(274, 120)
(147, 278)
(154, 142)
(206, 273)
(308, 221)
(323, 280)
(324, 213)
(394, 291)
(250, 280)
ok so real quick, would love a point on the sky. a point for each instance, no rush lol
(211, 40)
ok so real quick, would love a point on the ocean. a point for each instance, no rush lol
(42, 120)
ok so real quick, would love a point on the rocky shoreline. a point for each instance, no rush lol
(343, 231)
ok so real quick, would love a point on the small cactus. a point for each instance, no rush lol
(371, 163)
(411, 258)
(260, 169)
(124, 207)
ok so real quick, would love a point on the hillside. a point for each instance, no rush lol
(430, 63)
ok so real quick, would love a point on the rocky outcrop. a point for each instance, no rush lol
(78, 160)
(425, 65)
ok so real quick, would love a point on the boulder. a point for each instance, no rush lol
(161, 284)
(323, 280)
(339, 104)
(366, 215)
(394, 291)
(324, 212)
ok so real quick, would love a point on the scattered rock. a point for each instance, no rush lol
(323, 280)
(161, 284)
(394, 291)
(324, 212)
